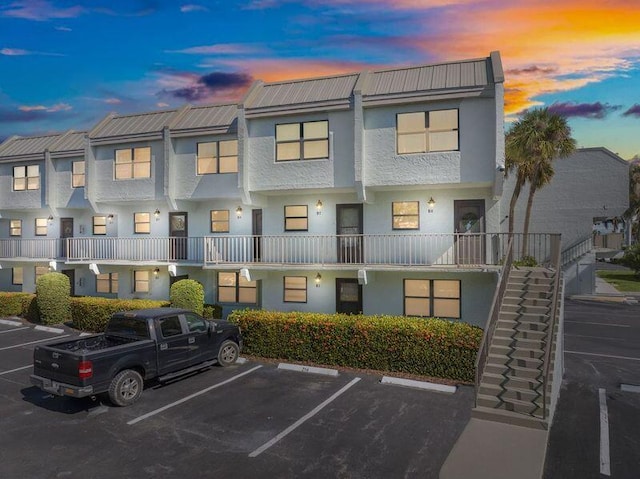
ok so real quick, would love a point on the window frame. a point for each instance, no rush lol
(212, 221)
(427, 131)
(431, 297)
(39, 224)
(218, 157)
(26, 177)
(306, 217)
(95, 225)
(112, 279)
(237, 288)
(301, 140)
(285, 289)
(142, 281)
(15, 229)
(162, 321)
(43, 270)
(137, 222)
(75, 175)
(131, 163)
(394, 216)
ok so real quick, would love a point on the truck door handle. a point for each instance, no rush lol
(192, 340)
(164, 347)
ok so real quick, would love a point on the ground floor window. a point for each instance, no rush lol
(141, 281)
(233, 288)
(17, 275)
(295, 289)
(107, 283)
(40, 270)
(432, 297)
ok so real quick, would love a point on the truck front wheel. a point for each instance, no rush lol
(126, 388)
(228, 354)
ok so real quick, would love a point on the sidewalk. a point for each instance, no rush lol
(606, 292)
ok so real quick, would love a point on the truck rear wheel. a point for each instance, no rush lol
(126, 387)
(228, 354)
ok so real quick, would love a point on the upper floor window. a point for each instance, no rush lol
(41, 226)
(142, 223)
(217, 157)
(406, 215)
(219, 221)
(77, 174)
(133, 163)
(432, 297)
(15, 228)
(296, 218)
(99, 225)
(26, 177)
(302, 141)
(421, 131)
(107, 283)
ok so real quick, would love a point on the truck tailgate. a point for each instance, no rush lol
(60, 366)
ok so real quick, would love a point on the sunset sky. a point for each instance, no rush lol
(66, 64)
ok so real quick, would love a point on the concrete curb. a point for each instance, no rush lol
(49, 330)
(308, 369)
(410, 383)
(241, 360)
(630, 388)
(9, 322)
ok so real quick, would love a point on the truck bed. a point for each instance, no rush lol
(95, 343)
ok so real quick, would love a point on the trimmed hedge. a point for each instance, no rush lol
(52, 294)
(429, 347)
(92, 314)
(187, 294)
(19, 304)
(212, 311)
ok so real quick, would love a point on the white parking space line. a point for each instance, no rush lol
(582, 353)
(16, 369)
(599, 324)
(10, 323)
(33, 342)
(303, 419)
(185, 399)
(605, 461)
(593, 337)
(12, 330)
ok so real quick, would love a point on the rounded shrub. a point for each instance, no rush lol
(187, 294)
(53, 298)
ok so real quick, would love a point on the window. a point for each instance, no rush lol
(432, 297)
(133, 163)
(296, 218)
(302, 141)
(141, 281)
(107, 283)
(17, 275)
(233, 288)
(41, 270)
(15, 228)
(195, 323)
(170, 326)
(295, 289)
(421, 132)
(77, 174)
(142, 223)
(99, 225)
(26, 178)
(406, 215)
(41, 226)
(217, 157)
(219, 221)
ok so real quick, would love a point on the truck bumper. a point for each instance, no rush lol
(61, 389)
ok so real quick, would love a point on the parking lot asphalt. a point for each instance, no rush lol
(596, 430)
(247, 421)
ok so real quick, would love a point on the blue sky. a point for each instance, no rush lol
(66, 64)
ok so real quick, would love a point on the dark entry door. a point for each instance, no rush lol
(175, 279)
(469, 226)
(256, 231)
(71, 274)
(178, 232)
(348, 296)
(349, 230)
(66, 231)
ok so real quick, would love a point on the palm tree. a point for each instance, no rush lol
(632, 215)
(531, 146)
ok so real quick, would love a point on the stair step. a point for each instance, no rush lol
(531, 272)
(531, 280)
(515, 405)
(520, 334)
(507, 341)
(523, 308)
(513, 381)
(517, 299)
(527, 363)
(521, 325)
(516, 352)
(512, 393)
(523, 293)
(524, 316)
(514, 370)
(508, 417)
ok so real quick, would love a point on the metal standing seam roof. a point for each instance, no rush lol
(70, 142)
(133, 125)
(464, 74)
(205, 117)
(27, 146)
(295, 92)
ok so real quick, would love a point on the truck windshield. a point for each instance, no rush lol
(128, 327)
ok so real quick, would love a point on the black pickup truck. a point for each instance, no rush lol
(140, 345)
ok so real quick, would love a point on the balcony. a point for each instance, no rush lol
(37, 249)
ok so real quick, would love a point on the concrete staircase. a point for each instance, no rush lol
(512, 382)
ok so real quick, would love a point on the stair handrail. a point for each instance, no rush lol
(549, 342)
(576, 250)
(498, 295)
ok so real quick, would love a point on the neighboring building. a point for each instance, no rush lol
(586, 197)
(374, 191)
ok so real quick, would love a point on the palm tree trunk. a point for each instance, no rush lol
(527, 217)
(512, 205)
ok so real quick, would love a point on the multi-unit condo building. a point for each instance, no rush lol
(377, 191)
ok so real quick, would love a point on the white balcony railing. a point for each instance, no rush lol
(151, 249)
(36, 248)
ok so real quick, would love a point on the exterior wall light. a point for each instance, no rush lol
(431, 204)
(239, 212)
(110, 218)
(156, 272)
(319, 207)
(50, 219)
(318, 280)
(156, 213)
